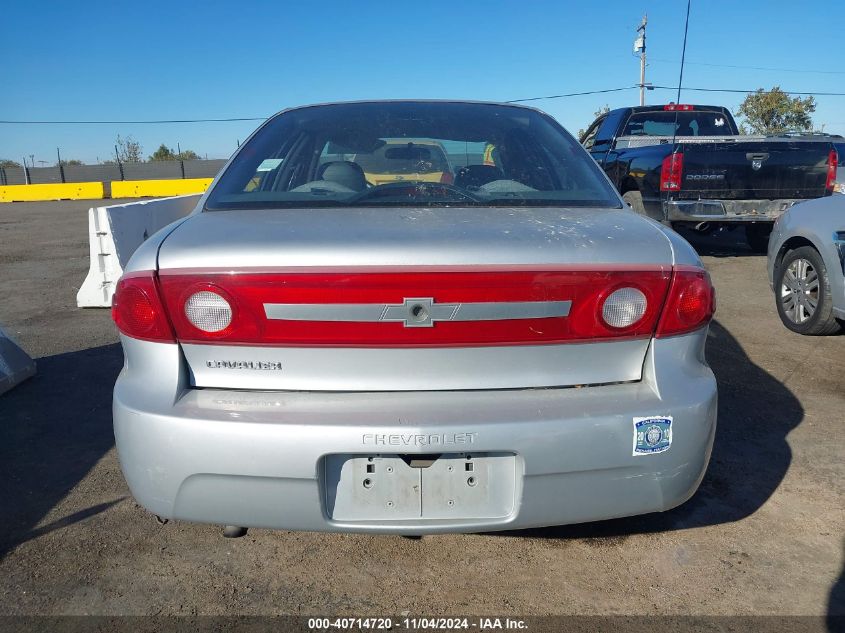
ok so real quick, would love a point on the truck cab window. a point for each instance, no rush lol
(664, 123)
(589, 138)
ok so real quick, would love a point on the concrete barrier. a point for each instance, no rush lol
(66, 191)
(158, 188)
(15, 364)
(114, 233)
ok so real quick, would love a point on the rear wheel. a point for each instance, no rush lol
(634, 199)
(757, 236)
(803, 296)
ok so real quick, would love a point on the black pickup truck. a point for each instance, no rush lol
(689, 164)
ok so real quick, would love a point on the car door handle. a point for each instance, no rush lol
(760, 156)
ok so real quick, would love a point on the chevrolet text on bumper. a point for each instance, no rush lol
(507, 348)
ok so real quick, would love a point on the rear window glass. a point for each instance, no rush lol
(411, 154)
(695, 123)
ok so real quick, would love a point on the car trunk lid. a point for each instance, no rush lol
(414, 299)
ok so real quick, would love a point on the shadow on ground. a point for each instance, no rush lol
(750, 456)
(723, 242)
(836, 603)
(55, 427)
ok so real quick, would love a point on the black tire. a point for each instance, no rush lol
(634, 199)
(801, 279)
(757, 237)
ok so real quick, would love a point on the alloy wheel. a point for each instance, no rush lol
(799, 291)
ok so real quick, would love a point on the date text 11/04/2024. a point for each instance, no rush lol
(417, 624)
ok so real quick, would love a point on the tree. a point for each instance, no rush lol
(165, 153)
(5, 162)
(775, 112)
(72, 161)
(129, 150)
(600, 112)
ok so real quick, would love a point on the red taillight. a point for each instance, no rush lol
(596, 313)
(137, 310)
(679, 107)
(690, 304)
(672, 172)
(447, 178)
(832, 162)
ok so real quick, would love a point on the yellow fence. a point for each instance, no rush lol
(158, 188)
(65, 191)
(97, 190)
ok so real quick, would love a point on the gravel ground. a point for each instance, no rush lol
(764, 535)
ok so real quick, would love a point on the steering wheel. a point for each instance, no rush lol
(424, 187)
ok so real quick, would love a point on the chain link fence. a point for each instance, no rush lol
(153, 170)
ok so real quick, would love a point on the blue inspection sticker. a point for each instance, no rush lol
(652, 435)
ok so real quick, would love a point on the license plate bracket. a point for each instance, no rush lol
(380, 487)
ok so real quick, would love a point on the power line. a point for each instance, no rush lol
(734, 90)
(683, 58)
(13, 122)
(560, 96)
(681, 77)
(772, 68)
(571, 94)
(259, 118)
(675, 88)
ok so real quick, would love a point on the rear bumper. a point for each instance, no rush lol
(725, 210)
(256, 459)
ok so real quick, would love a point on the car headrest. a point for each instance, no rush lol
(477, 175)
(345, 173)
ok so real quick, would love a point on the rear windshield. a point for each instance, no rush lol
(695, 123)
(411, 154)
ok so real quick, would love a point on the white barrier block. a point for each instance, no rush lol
(115, 232)
(15, 364)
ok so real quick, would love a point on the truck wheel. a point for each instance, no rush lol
(757, 236)
(634, 199)
(802, 293)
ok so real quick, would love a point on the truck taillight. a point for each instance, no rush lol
(690, 304)
(832, 162)
(672, 172)
(679, 107)
(137, 309)
(447, 178)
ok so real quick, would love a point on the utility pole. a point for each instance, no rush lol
(639, 47)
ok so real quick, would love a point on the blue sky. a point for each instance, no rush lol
(170, 60)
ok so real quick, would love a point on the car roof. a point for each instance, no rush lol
(507, 104)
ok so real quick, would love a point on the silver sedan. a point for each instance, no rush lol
(482, 338)
(805, 265)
